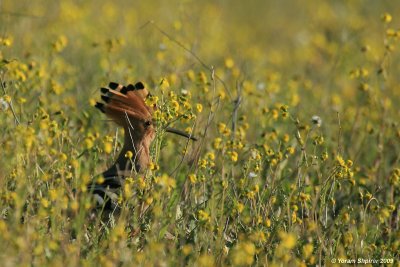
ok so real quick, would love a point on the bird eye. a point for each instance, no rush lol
(147, 124)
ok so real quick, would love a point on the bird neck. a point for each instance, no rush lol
(125, 165)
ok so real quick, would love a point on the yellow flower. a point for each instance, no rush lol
(38, 250)
(217, 143)
(187, 249)
(164, 84)
(141, 183)
(288, 240)
(346, 217)
(202, 77)
(7, 41)
(290, 150)
(386, 17)
(45, 203)
(100, 180)
(324, 156)
(190, 74)
(285, 138)
(204, 216)
(294, 217)
(192, 178)
(63, 157)
(251, 195)
(229, 63)
(234, 156)
(256, 188)
(239, 207)
(127, 190)
(7, 98)
(307, 250)
(89, 143)
(349, 163)
(92, 102)
(199, 107)
(160, 55)
(129, 154)
(224, 184)
(311, 226)
(175, 105)
(149, 200)
(284, 108)
(394, 178)
(188, 130)
(3, 227)
(305, 197)
(151, 100)
(243, 254)
(221, 94)
(258, 237)
(153, 166)
(221, 127)
(205, 260)
(53, 194)
(167, 182)
(60, 43)
(340, 161)
(108, 147)
(210, 156)
(203, 163)
(275, 114)
(348, 239)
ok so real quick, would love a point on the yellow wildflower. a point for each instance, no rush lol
(386, 17)
(199, 107)
(288, 240)
(129, 154)
(234, 156)
(229, 63)
(192, 178)
(204, 216)
(108, 147)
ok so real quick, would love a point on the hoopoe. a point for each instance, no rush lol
(126, 106)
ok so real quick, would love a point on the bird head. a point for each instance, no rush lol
(126, 106)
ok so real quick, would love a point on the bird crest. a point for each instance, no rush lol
(125, 103)
(127, 107)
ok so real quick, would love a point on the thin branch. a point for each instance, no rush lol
(152, 23)
(19, 14)
(339, 135)
(10, 103)
(236, 103)
(184, 155)
(115, 143)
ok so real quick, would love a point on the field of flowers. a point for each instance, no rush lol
(295, 105)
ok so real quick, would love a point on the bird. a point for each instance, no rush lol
(126, 106)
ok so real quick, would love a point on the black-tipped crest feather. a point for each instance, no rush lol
(100, 106)
(104, 90)
(105, 98)
(139, 86)
(113, 85)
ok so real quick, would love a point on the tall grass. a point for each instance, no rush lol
(295, 107)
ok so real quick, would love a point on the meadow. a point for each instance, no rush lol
(295, 105)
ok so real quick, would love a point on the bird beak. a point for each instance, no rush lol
(181, 133)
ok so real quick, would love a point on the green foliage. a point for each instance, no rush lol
(294, 104)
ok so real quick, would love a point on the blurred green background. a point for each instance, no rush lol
(317, 190)
(316, 40)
